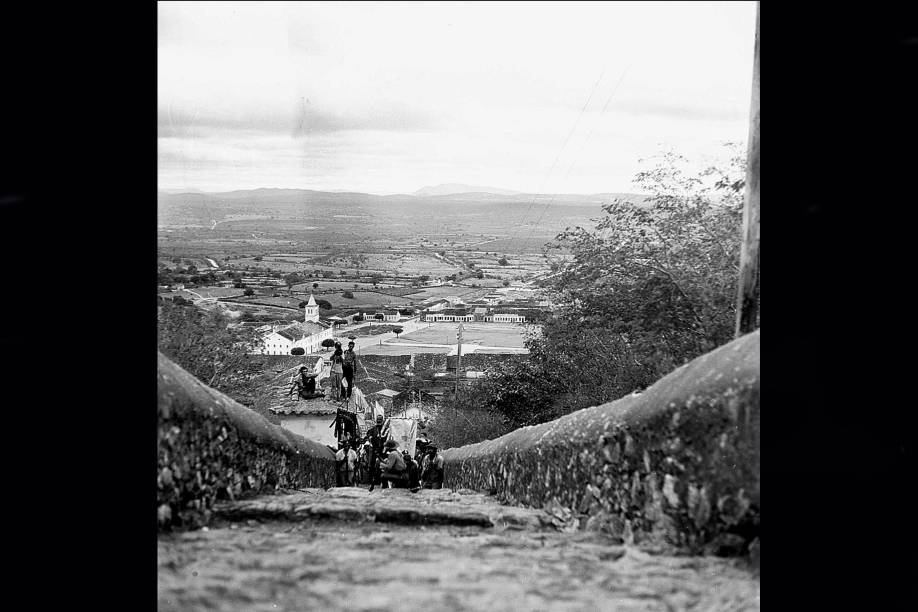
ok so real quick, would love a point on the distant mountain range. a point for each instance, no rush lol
(439, 193)
(454, 188)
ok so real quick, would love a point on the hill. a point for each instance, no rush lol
(453, 188)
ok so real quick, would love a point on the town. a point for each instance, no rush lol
(405, 328)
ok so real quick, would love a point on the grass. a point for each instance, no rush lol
(485, 334)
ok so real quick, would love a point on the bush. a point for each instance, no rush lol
(298, 350)
(328, 343)
(248, 292)
(324, 304)
(348, 295)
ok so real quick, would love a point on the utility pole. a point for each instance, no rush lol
(747, 300)
(458, 364)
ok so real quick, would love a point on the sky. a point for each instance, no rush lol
(389, 97)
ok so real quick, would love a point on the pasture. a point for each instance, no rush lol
(485, 334)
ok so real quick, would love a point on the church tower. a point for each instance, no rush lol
(312, 310)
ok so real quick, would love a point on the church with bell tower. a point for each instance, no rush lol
(312, 310)
(307, 335)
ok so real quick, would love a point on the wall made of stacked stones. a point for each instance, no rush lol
(210, 447)
(678, 463)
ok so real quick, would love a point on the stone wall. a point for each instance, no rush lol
(210, 447)
(678, 463)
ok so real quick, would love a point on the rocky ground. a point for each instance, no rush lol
(351, 549)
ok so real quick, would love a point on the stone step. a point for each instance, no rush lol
(398, 506)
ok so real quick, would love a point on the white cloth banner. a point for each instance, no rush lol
(405, 432)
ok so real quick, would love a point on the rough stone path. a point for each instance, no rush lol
(351, 549)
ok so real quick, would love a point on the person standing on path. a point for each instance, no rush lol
(432, 468)
(337, 373)
(375, 438)
(349, 368)
(351, 458)
(341, 466)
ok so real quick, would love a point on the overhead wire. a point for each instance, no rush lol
(576, 157)
(570, 133)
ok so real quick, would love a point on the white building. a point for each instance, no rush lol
(307, 335)
(505, 317)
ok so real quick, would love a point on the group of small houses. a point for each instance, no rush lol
(310, 333)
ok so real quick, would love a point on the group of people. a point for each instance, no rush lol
(343, 368)
(379, 462)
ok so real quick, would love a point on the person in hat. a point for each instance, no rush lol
(393, 471)
(432, 468)
(349, 368)
(304, 383)
(412, 470)
(376, 439)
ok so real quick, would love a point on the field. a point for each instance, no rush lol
(433, 293)
(218, 292)
(334, 285)
(375, 349)
(485, 334)
(365, 299)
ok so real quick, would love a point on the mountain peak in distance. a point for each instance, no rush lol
(454, 188)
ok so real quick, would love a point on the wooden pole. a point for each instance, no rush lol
(747, 302)
(458, 364)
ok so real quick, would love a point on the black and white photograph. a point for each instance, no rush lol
(457, 306)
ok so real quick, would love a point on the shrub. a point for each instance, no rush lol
(248, 292)
(348, 295)
(298, 350)
(328, 343)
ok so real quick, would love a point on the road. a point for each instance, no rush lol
(351, 549)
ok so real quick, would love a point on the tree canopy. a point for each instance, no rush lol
(649, 287)
(202, 342)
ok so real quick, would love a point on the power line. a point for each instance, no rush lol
(558, 156)
(605, 106)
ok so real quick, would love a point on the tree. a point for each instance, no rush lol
(663, 274)
(290, 280)
(257, 258)
(248, 292)
(202, 343)
(503, 261)
(397, 331)
(328, 343)
(375, 279)
(506, 283)
(316, 285)
(424, 278)
(479, 274)
(324, 304)
(348, 295)
(302, 304)
(651, 286)
(298, 350)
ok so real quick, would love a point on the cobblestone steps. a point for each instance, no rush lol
(351, 549)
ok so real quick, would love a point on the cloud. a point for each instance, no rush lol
(306, 120)
(684, 112)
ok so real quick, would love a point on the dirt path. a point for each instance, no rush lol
(349, 549)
